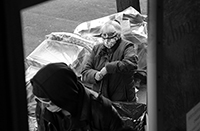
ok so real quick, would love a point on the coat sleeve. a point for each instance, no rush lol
(88, 72)
(128, 64)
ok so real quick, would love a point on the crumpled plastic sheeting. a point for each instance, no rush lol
(134, 28)
(31, 103)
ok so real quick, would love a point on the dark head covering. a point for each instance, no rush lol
(58, 82)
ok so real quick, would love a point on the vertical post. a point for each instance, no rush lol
(13, 92)
(154, 65)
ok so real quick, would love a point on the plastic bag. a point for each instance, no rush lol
(133, 114)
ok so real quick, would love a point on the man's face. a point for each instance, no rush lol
(109, 39)
(110, 34)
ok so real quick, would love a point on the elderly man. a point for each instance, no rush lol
(111, 65)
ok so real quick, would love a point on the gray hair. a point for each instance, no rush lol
(111, 26)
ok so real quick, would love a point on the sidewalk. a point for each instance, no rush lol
(58, 16)
(61, 16)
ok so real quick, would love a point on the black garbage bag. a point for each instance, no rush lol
(133, 114)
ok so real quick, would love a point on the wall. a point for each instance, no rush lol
(179, 83)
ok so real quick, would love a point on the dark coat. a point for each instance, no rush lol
(97, 115)
(121, 62)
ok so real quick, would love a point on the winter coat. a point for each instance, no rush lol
(97, 115)
(121, 62)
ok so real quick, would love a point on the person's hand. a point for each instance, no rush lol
(103, 71)
(98, 76)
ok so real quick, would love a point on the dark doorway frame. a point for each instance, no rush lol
(12, 82)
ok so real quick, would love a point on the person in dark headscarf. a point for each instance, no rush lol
(64, 104)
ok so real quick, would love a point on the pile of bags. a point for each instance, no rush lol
(74, 49)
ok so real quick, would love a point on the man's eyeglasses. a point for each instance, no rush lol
(109, 35)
